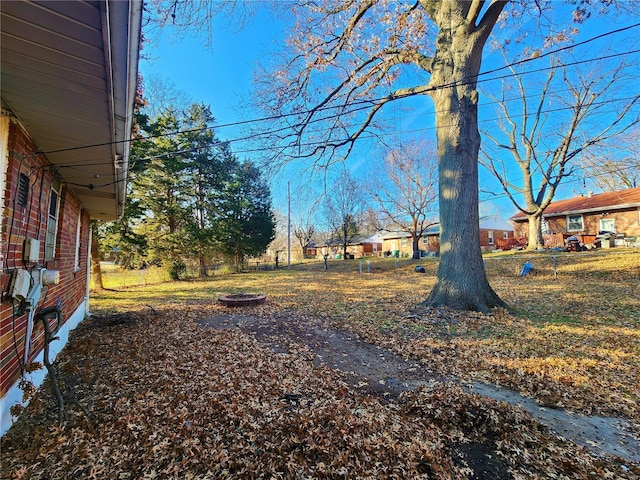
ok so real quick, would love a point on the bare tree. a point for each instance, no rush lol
(347, 64)
(545, 129)
(162, 95)
(405, 187)
(193, 16)
(343, 206)
(303, 223)
(279, 245)
(346, 67)
(615, 165)
(372, 220)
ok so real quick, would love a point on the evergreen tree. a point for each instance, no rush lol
(245, 224)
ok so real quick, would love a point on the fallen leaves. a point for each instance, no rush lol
(169, 398)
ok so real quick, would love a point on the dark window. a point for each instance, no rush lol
(23, 190)
(52, 227)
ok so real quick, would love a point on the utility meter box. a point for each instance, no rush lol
(31, 250)
(50, 277)
(20, 284)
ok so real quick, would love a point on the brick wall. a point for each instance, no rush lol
(484, 236)
(627, 221)
(30, 221)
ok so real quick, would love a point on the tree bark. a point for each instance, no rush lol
(462, 281)
(535, 233)
(204, 271)
(96, 271)
(415, 246)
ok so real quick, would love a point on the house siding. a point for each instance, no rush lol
(30, 221)
(396, 244)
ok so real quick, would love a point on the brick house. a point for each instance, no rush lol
(493, 229)
(399, 243)
(359, 246)
(587, 216)
(69, 77)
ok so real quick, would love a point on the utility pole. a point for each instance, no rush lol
(289, 226)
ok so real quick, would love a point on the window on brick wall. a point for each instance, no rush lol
(574, 223)
(608, 224)
(490, 237)
(52, 226)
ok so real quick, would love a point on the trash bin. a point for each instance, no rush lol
(396, 253)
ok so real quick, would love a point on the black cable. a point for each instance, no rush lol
(311, 144)
(373, 102)
(15, 340)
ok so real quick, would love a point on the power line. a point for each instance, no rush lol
(368, 103)
(608, 101)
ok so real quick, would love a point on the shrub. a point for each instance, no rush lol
(177, 269)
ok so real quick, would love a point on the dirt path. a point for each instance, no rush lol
(376, 370)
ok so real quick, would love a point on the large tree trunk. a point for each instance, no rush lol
(415, 246)
(535, 233)
(462, 281)
(96, 271)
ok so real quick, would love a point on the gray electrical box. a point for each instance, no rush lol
(31, 250)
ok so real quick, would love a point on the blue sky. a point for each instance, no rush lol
(221, 76)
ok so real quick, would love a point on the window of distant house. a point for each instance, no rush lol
(505, 234)
(574, 223)
(403, 242)
(490, 237)
(52, 226)
(607, 225)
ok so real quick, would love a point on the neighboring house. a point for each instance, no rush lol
(359, 246)
(493, 230)
(399, 243)
(586, 216)
(68, 79)
(311, 250)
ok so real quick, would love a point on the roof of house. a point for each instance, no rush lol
(355, 240)
(431, 230)
(69, 75)
(590, 203)
(486, 222)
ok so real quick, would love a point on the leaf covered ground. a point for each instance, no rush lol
(165, 397)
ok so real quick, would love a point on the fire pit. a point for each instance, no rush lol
(242, 299)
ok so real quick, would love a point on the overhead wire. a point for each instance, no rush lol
(367, 103)
(93, 185)
(97, 162)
